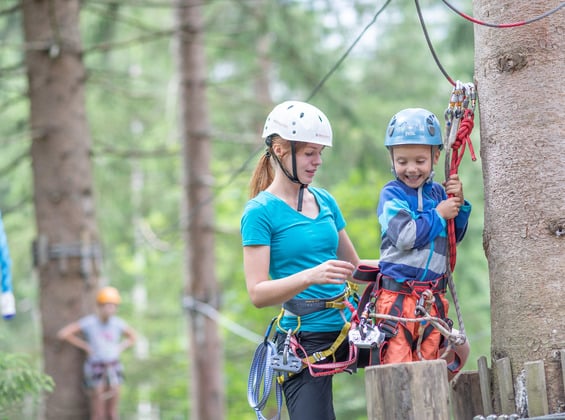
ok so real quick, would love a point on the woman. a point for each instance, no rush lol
(297, 253)
(102, 336)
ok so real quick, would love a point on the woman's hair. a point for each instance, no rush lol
(264, 171)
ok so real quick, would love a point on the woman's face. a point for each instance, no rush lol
(308, 159)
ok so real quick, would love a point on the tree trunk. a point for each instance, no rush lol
(519, 74)
(261, 85)
(63, 197)
(205, 353)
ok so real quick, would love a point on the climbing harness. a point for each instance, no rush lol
(109, 373)
(300, 307)
(373, 329)
(270, 365)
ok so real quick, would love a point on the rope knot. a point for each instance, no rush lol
(462, 139)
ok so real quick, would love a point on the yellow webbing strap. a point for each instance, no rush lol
(339, 302)
(321, 355)
(279, 317)
(316, 357)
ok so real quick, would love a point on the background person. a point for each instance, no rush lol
(7, 300)
(102, 336)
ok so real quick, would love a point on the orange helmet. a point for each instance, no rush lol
(108, 295)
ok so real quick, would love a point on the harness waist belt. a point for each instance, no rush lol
(303, 307)
(408, 286)
(105, 364)
(366, 273)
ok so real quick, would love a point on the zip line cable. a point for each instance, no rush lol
(475, 21)
(504, 25)
(430, 45)
(344, 56)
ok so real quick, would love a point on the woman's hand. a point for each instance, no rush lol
(330, 272)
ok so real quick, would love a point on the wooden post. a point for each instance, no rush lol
(484, 375)
(562, 353)
(466, 401)
(536, 388)
(506, 389)
(408, 391)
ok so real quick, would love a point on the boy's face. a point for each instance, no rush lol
(413, 163)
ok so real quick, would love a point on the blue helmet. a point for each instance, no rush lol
(414, 126)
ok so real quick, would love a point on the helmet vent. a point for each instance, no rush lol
(431, 129)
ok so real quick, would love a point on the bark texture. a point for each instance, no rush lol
(63, 191)
(519, 74)
(205, 351)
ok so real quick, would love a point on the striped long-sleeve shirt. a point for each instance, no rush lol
(414, 241)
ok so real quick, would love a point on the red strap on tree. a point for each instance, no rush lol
(462, 139)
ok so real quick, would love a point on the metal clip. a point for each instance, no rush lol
(286, 361)
(366, 336)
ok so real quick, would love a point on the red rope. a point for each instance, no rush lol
(462, 139)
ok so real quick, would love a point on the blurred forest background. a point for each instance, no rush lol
(132, 113)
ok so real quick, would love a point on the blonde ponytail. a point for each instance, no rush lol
(262, 176)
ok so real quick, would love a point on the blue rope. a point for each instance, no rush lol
(261, 375)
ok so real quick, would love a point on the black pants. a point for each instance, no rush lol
(308, 397)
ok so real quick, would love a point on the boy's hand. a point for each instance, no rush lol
(454, 187)
(449, 209)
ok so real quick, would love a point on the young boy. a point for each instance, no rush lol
(413, 212)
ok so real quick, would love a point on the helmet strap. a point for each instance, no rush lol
(432, 173)
(300, 197)
(294, 176)
(392, 169)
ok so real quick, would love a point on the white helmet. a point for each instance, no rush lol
(299, 121)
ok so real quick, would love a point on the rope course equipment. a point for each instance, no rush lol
(366, 331)
(459, 121)
(262, 375)
(344, 55)
(475, 21)
(504, 25)
(270, 364)
(459, 118)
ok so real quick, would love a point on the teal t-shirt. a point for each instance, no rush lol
(297, 243)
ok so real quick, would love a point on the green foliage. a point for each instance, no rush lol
(18, 380)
